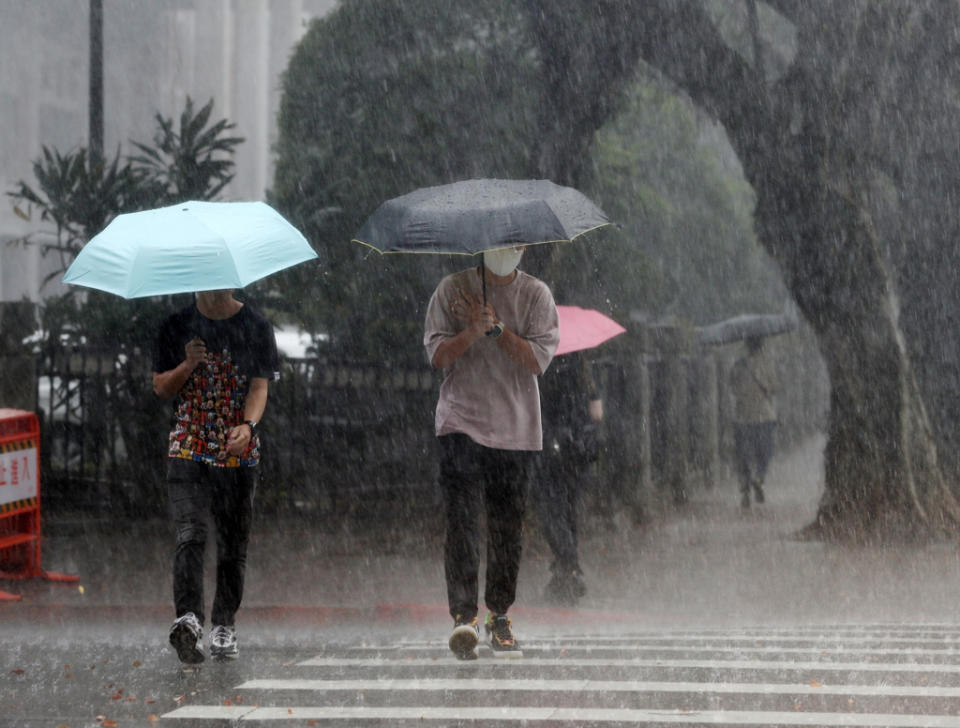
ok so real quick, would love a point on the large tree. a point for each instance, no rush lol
(847, 137)
(382, 97)
(832, 127)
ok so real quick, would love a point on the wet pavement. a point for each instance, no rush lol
(94, 652)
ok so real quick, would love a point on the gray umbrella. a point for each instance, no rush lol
(473, 216)
(746, 326)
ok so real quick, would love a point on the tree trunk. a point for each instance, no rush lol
(883, 482)
(812, 143)
(815, 179)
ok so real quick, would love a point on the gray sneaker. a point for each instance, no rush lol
(223, 642)
(186, 636)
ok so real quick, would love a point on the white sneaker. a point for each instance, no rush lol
(186, 636)
(223, 642)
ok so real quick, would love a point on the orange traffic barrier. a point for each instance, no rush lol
(20, 531)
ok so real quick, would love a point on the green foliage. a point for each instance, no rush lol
(382, 97)
(79, 200)
(667, 175)
(189, 164)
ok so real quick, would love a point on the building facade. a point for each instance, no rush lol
(156, 54)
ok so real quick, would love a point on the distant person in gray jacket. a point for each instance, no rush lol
(753, 386)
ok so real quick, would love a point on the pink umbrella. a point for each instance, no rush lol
(584, 328)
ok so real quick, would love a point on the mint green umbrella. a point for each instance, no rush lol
(192, 246)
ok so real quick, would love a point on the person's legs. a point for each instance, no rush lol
(558, 484)
(459, 483)
(189, 494)
(505, 496)
(742, 458)
(763, 451)
(575, 476)
(764, 448)
(232, 516)
(551, 493)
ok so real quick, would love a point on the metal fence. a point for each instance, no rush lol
(337, 436)
(341, 436)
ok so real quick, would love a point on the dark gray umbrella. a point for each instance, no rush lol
(473, 216)
(746, 326)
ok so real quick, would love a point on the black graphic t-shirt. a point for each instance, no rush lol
(211, 402)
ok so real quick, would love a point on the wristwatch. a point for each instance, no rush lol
(252, 424)
(495, 330)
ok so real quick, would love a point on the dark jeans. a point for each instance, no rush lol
(474, 478)
(557, 489)
(753, 447)
(197, 491)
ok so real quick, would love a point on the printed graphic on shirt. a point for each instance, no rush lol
(211, 404)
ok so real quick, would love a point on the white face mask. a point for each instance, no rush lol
(502, 262)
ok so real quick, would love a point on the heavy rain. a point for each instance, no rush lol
(667, 400)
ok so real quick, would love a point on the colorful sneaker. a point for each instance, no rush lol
(464, 639)
(223, 642)
(499, 630)
(185, 636)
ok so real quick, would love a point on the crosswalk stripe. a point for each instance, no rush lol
(575, 716)
(623, 679)
(672, 640)
(818, 649)
(926, 667)
(569, 686)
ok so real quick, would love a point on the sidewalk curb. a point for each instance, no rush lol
(391, 613)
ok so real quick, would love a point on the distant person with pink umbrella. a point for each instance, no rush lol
(572, 408)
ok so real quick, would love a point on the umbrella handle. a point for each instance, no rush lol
(483, 279)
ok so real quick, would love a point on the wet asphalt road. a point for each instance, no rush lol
(824, 675)
(94, 653)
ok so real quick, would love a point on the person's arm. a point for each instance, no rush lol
(519, 349)
(453, 348)
(595, 410)
(255, 404)
(169, 383)
(478, 319)
(590, 389)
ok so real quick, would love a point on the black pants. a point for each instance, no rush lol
(196, 492)
(473, 479)
(557, 487)
(753, 447)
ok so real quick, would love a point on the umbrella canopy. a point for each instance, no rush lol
(746, 326)
(191, 246)
(475, 215)
(584, 328)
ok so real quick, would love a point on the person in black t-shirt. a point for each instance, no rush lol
(214, 359)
